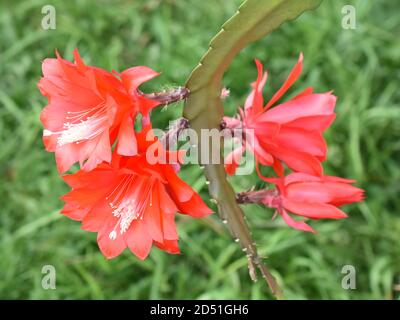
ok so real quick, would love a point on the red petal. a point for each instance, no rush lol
(74, 212)
(179, 189)
(49, 140)
(97, 217)
(84, 197)
(313, 210)
(51, 67)
(305, 92)
(278, 168)
(169, 227)
(195, 207)
(103, 175)
(100, 153)
(66, 156)
(170, 246)
(232, 160)
(110, 247)
(263, 156)
(132, 78)
(138, 239)
(295, 139)
(319, 123)
(168, 206)
(300, 177)
(127, 145)
(78, 61)
(145, 106)
(53, 115)
(255, 99)
(299, 225)
(297, 161)
(338, 179)
(322, 104)
(152, 217)
(294, 74)
(337, 193)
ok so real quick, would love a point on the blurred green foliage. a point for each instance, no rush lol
(360, 65)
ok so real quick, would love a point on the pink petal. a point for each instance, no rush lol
(232, 123)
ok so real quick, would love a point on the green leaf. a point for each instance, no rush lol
(253, 20)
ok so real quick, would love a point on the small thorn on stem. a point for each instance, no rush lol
(252, 269)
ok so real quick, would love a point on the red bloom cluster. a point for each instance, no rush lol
(130, 201)
(291, 133)
(117, 193)
(89, 108)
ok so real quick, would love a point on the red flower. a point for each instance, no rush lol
(311, 197)
(291, 132)
(131, 203)
(88, 108)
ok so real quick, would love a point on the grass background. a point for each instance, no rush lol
(361, 65)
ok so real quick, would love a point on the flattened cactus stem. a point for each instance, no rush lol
(203, 108)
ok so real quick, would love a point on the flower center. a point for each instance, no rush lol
(129, 199)
(83, 125)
